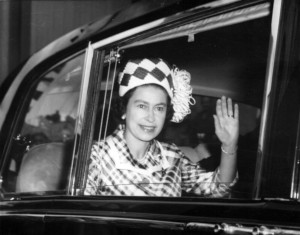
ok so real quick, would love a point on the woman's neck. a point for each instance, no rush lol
(137, 148)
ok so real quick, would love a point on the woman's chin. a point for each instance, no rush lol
(147, 136)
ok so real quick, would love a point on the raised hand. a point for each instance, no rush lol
(227, 123)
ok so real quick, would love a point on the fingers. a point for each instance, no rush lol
(225, 108)
(217, 124)
(230, 110)
(219, 108)
(236, 111)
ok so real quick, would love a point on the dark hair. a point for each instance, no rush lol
(121, 103)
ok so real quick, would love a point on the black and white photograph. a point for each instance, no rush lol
(148, 117)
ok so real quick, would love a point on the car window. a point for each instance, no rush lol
(226, 56)
(40, 153)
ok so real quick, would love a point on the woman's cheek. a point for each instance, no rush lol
(162, 116)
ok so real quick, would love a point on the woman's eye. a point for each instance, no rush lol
(160, 108)
(142, 106)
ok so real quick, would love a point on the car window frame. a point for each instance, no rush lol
(17, 112)
(140, 32)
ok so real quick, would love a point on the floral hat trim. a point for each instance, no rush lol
(182, 94)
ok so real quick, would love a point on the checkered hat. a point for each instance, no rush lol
(145, 71)
(156, 71)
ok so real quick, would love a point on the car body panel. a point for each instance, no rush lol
(94, 210)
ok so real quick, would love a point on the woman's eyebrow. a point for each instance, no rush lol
(141, 101)
(145, 102)
(164, 104)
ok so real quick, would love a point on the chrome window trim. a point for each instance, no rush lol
(235, 16)
(295, 189)
(79, 121)
(206, 24)
(128, 33)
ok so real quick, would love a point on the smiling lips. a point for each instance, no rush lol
(147, 128)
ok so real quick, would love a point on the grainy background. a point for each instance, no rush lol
(28, 25)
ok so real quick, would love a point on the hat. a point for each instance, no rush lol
(156, 71)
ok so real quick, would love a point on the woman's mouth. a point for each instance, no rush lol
(147, 128)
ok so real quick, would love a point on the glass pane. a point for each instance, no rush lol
(41, 153)
(228, 61)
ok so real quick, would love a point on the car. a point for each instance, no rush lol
(64, 97)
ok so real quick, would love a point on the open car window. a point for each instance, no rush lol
(226, 56)
(40, 153)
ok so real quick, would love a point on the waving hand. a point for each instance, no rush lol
(227, 122)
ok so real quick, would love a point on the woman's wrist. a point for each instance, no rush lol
(229, 150)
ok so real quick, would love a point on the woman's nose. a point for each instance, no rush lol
(151, 116)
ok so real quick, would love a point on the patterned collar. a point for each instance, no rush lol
(153, 159)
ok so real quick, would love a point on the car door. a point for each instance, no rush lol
(228, 52)
(39, 142)
(224, 57)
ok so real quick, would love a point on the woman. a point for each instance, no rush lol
(132, 162)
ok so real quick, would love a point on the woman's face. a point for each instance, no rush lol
(145, 113)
